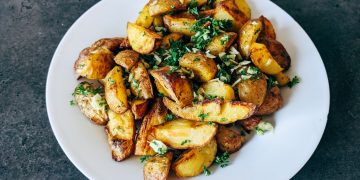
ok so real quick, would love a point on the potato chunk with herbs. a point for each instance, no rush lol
(203, 67)
(217, 89)
(127, 58)
(158, 167)
(177, 24)
(115, 91)
(227, 10)
(221, 43)
(121, 126)
(142, 40)
(140, 83)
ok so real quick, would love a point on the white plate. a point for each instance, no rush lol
(299, 125)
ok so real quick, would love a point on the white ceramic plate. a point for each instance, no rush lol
(299, 125)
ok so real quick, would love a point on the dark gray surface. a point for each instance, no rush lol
(30, 30)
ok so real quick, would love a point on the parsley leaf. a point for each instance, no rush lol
(193, 8)
(72, 103)
(222, 159)
(293, 82)
(207, 172)
(185, 141)
(144, 158)
(202, 116)
(169, 117)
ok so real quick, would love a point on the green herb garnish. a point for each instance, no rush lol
(72, 103)
(222, 159)
(185, 141)
(144, 158)
(295, 80)
(202, 116)
(207, 172)
(169, 117)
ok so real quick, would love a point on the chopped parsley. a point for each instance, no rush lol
(173, 69)
(197, 59)
(169, 117)
(202, 116)
(223, 119)
(82, 90)
(210, 97)
(223, 75)
(224, 39)
(174, 53)
(161, 94)
(207, 172)
(295, 80)
(263, 127)
(222, 159)
(72, 103)
(158, 146)
(193, 8)
(211, 123)
(271, 82)
(144, 158)
(111, 81)
(185, 141)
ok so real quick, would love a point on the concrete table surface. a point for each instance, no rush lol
(30, 31)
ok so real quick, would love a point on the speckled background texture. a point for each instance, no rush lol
(30, 31)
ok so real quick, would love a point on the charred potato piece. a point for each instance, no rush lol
(262, 59)
(165, 42)
(91, 103)
(192, 162)
(253, 90)
(248, 34)
(229, 140)
(243, 7)
(140, 83)
(115, 91)
(227, 10)
(181, 25)
(160, 7)
(94, 63)
(139, 107)
(221, 43)
(121, 126)
(203, 67)
(142, 40)
(158, 167)
(273, 102)
(156, 116)
(127, 58)
(218, 89)
(184, 134)
(144, 19)
(120, 149)
(268, 31)
(178, 88)
(278, 52)
(230, 111)
(250, 123)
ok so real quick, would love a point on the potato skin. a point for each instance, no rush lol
(139, 108)
(181, 25)
(217, 45)
(127, 58)
(278, 52)
(229, 140)
(113, 44)
(253, 90)
(160, 7)
(140, 83)
(178, 88)
(120, 149)
(219, 89)
(273, 102)
(94, 63)
(84, 103)
(248, 34)
(142, 40)
(191, 163)
(227, 10)
(158, 167)
(115, 91)
(262, 59)
(203, 67)
(250, 123)
(267, 31)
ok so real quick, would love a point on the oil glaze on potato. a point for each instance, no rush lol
(221, 43)
(127, 59)
(142, 40)
(180, 25)
(243, 7)
(252, 90)
(120, 149)
(203, 67)
(229, 140)
(121, 126)
(278, 52)
(115, 91)
(158, 167)
(218, 89)
(144, 19)
(248, 34)
(262, 59)
(139, 107)
(273, 102)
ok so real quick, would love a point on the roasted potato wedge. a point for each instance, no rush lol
(165, 42)
(253, 90)
(218, 89)
(203, 67)
(244, 8)
(221, 43)
(278, 52)
(248, 34)
(115, 91)
(282, 79)
(192, 162)
(113, 44)
(139, 107)
(273, 102)
(144, 19)
(262, 58)
(91, 103)
(159, 7)
(127, 58)
(181, 25)
(94, 63)
(228, 10)
(178, 88)
(120, 149)
(184, 134)
(158, 167)
(156, 116)
(250, 123)
(199, 2)
(140, 84)
(142, 40)
(229, 140)
(267, 31)
(121, 126)
(230, 112)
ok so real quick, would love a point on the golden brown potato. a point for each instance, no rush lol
(262, 59)
(178, 88)
(120, 149)
(207, 13)
(229, 140)
(94, 63)
(227, 10)
(253, 90)
(199, 2)
(181, 25)
(140, 84)
(267, 31)
(221, 43)
(192, 162)
(139, 107)
(142, 40)
(127, 58)
(158, 21)
(159, 7)
(273, 102)
(278, 52)
(184, 134)
(165, 42)
(158, 167)
(156, 116)
(250, 123)
(218, 89)
(121, 126)
(115, 91)
(230, 111)
(248, 35)
(91, 103)
(282, 79)
(144, 19)
(243, 7)
(113, 44)
(203, 67)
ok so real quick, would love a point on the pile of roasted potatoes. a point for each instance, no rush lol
(186, 86)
